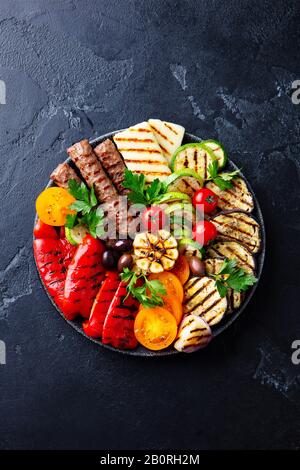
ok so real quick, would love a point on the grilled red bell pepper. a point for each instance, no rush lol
(118, 328)
(42, 230)
(84, 277)
(53, 257)
(94, 326)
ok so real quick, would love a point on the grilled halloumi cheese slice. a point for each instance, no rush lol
(168, 135)
(240, 227)
(234, 298)
(203, 299)
(238, 197)
(141, 152)
(232, 250)
(194, 333)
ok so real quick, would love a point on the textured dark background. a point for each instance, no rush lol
(82, 68)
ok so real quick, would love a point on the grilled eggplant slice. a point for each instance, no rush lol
(194, 156)
(141, 152)
(238, 197)
(194, 333)
(240, 227)
(203, 299)
(232, 250)
(168, 135)
(234, 299)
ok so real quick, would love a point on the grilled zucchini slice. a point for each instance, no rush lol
(184, 181)
(238, 197)
(203, 299)
(232, 250)
(195, 156)
(240, 227)
(234, 299)
(194, 333)
(218, 151)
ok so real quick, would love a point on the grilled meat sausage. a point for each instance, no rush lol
(112, 162)
(62, 174)
(92, 171)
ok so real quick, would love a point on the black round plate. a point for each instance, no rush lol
(140, 350)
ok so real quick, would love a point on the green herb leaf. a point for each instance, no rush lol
(221, 289)
(78, 190)
(139, 192)
(80, 206)
(148, 294)
(232, 277)
(85, 206)
(71, 220)
(93, 199)
(223, 180)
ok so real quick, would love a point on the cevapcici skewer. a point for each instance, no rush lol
(62, 174)
(92, 171)
(112, 162)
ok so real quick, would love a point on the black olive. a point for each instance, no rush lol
(123, 245)
(126, 261)
(197, 267)
(108, 260)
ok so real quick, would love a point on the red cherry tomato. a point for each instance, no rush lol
(153, 218)
(204, 231)
(206, 198)
(42, 230)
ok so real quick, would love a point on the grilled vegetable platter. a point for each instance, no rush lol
(149, 240)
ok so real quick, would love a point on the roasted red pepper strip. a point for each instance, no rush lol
(119, 322)
(84, 277)
(94, 326)
(53, 257)
(42, 230)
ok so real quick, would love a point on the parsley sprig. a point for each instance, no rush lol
(140, 193)
(232, 277)
(147, 292)
(87, 213)
(223, 180)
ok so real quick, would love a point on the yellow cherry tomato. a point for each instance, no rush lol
(52, 206)
(181, 269)
(171, 283)
(155, 328)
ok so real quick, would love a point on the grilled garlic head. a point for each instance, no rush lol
(155, 253)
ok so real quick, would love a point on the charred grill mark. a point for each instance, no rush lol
(205, 165)
(171, 128)
(193, 283)
(237, 229)
(237, 255)
(164, 150)
(153, 173)
(195, 160)
(133, 139)
(122, 317)
(140, 150)
(150, 162)
(186, 161)
(241, 218)
(157, 131)
(197, 292)
(139, 129)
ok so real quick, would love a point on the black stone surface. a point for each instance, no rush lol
(82, 68)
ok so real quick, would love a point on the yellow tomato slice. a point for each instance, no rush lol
(174, 306)
(171, 283)
(52, 206)
(181, 269)
(155, 328)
